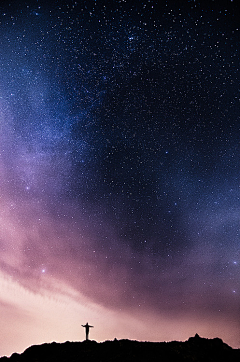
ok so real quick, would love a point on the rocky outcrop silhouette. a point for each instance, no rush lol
(196, 349)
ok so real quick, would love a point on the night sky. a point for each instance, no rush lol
(119, 170)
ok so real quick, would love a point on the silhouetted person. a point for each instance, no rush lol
(87, 326)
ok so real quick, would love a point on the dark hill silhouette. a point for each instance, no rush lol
(196, 349)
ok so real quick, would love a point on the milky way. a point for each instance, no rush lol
(119, 170)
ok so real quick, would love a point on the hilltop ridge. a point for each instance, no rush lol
(194, 349)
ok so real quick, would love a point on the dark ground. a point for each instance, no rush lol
(195, 349)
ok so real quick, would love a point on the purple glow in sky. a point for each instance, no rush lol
(119, 171)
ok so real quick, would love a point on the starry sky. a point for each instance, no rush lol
(119, 170)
